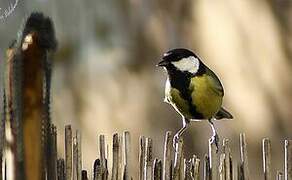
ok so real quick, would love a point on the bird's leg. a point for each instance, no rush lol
(215, 137)
(181, 131)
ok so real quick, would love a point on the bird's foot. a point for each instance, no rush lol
(215, 139)
(176, 139)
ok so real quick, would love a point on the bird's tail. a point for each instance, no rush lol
(223, 113)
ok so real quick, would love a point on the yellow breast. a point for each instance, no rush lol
(207, 98)
(173, 97)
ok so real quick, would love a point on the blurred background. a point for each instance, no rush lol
(105, 79)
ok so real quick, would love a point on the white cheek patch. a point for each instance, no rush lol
(190, 64)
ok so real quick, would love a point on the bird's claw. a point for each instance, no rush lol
(176, 139)
(215, 139)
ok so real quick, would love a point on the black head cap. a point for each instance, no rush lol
(175, 55)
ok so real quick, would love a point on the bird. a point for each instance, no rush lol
(193, 90)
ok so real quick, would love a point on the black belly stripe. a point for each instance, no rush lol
(181, 82)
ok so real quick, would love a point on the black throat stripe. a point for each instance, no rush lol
(181, 81)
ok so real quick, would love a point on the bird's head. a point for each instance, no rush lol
(181, 59)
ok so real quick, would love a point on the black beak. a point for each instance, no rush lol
(162, 63)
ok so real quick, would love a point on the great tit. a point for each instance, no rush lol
(193, 90)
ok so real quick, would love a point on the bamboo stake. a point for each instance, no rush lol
(127, 151)
(243, 157)
(288, 159)
(240, 172)
(61, 169)
(207, 171)
(79, 156)
(148, 160)
(177, 159)
(68, 152)
(167, 156)
(182, 167)
(196, 167)
(121, 166)
(157, 170)
(228, 162)
(84, 175)
(213, 159)
(222, 165)
(267, 159)
(52, 168)
(2, 125)
(232, 175)
(188, 169)
(280, 175)
(97, 170)
(102, 157)
(115, 166)
(75, 159)
(142, 154)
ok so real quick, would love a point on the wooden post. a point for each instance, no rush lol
(142, 154)
(84, 175)
(52, 165)
(243, 157)
(26, 95)
(196, 167)
(280, 175)
(188, 169)
(178, 159)
(157, 169)
(116, 147)
(167, 161)
(213, 159)
(207, 171)
(121, 166)
(2, 121)
(97, 170)
(148, 160)
(228, 162)
(127, 151)
(77, 157)
(240, 175)
(102, 157)
(222, 166)
(288, 159)
(267, 159)
(61, 169)
(68, 152)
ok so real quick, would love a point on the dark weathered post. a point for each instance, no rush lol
(228, 161)
(116, 147)
(178, 159)
(157, 169)
(288, 159)
(61, 169)
(213, 159)
(68, 152)
(167, 158)
(243, 157)
(148, 159)
(142, 154)
(207, 171)
(127, 152)
(196, 167)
